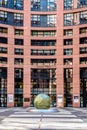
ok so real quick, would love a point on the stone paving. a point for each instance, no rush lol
(64, 119)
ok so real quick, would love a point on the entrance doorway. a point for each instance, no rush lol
(43, 81)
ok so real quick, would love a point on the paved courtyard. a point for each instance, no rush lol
(64, 119)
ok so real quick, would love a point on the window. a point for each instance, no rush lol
(83, 40)
(43, 42)
(83, 30)
(68, 32)
(68, 51)
(68, 42)
(40, 5)
(19, 41)
(43, 62)
(18, 61)
(68, 61)
(68, 4)
(3, 50)
(35, 20)
(68, 20)
(19, 32)
(3, 30)
(18, 19)
(18, 51)
(3, 40)
(18, 4)
(3, 3)
(83, 17)
(83, 50)
(82, 3)
(18, 72)
(83, 60)
(3, 17)
(43, 20)
(43, 33)
(43, 52)
(3, 60)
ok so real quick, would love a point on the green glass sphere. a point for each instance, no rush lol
(42, 101)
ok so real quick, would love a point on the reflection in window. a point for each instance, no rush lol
(68, 32)
(68, 19)
(68, 4)
(3, 50)
(18, 61)
(82, 3)
(40, 5)
(3, 17)
(83, 50)
(3, 30)
(18, 4)
(68, 51)
(43, 20)
(43, 52)
(18, 51)
(83, 17)
(43, 33)
(18, 32)
(68, 61)
(83, 30)
(3, 3)
(18, 19)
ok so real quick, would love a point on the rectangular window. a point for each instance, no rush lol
(68, 4)
(18, 19)
(18, 61)
(68, 61)
(68, 51)
(19, 32)
(3, 30)
(18, 51)
(43, 52)
(3, 3)
(68, 20)
(43, 42)
(43, 20)
(68, 32)
(19, 41)
(43, 33)
(3, 17)
(83, 60)
(83, 40)
(3, 50)
(18, 4)
(83, 30)
(82, 3)
(68, 41)
(83, 17)
(3, 40)
(83, 50)
(3, 60)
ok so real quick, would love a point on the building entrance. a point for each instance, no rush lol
(43, 81)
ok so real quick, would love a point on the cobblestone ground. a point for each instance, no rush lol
(63, 119)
